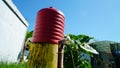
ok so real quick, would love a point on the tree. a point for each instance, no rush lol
(74, 52)
(26, 44)
(28, 34)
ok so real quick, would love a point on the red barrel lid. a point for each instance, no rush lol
(49, 26)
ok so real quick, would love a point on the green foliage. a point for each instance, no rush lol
(80, 38)
(12, 65)
(74, 54)
(28, 34)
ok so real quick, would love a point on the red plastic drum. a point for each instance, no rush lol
(49, 26)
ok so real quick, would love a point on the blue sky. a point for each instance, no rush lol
(97, 18)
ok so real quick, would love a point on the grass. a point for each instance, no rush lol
(12, 65)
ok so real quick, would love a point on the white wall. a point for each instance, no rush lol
(12, 32)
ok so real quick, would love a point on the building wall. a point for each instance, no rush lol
(13, 27)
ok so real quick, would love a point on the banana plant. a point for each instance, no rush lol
(75, 48)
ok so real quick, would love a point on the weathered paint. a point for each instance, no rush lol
(44, 55)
